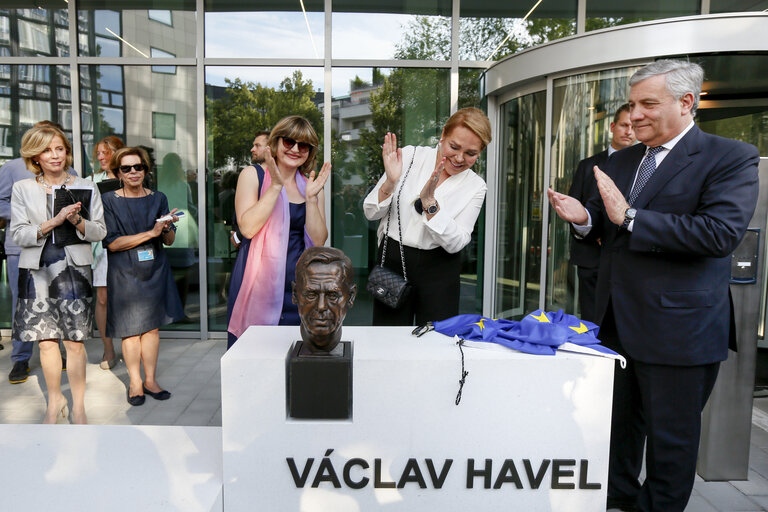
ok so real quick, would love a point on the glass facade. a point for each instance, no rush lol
(356, 73)
(583, 107)
(521, 195)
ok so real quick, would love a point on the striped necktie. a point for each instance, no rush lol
(647, 168)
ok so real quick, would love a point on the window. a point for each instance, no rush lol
(161, 16)
(163, 126)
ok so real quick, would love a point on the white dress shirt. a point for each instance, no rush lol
(460, 198)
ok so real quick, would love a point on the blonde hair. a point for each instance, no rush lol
(299, 129)
(472, 119)
(37, 139)
(113, 143)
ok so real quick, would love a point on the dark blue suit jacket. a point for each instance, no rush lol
(585, 252)
(667, 280)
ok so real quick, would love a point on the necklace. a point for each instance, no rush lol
(41, 181)
(125, 195)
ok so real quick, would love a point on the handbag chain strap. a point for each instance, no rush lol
(399, 224)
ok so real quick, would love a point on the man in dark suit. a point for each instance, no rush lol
(669, 213)
(585, 253)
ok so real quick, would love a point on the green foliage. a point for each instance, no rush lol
(542, 30)
(248, 107)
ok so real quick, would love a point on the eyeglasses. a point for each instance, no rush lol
(289, 143)
(126, 169)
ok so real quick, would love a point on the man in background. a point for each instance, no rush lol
(585, 253)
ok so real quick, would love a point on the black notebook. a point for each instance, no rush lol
(64, 196)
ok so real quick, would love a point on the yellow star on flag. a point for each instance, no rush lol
(480, 323)
(581, 329)
(541, 318)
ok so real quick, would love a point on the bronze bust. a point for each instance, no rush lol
(324, 290)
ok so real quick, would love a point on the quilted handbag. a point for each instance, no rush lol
(387, 286)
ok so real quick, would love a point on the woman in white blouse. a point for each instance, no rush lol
(440, 198)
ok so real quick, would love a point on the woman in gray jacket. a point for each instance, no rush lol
(55, 295)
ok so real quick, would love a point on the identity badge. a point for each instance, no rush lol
(146, 255)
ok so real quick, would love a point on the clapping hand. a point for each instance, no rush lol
(613, 200)
(393, 158)
(316, 182)
(567, 208)
(70, 213)
(274, 172)
(427, 194)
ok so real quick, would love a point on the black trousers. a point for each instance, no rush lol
(587, 286)
(659, 405)
(434, 276)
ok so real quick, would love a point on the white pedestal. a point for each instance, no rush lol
(76, 468)
(525, 418)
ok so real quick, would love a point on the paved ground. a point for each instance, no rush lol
(187, 368)
(190, 370)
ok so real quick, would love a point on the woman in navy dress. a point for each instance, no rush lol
(142, 295)
(279, 212)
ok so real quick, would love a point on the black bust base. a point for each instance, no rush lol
(319, 386)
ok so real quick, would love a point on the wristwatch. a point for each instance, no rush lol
(629, 216)
(432, 209)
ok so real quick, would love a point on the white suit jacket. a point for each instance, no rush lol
(28, 210)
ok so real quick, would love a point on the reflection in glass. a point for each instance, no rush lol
(414, 31)
(239, 103)
(492, 31)
(583, 107)
(521, 187)
(121, 101)
(413, 104)
(25, 98)
(41, 31)
(254, 33)
(735, 103)
(606, 13)
(134, 32)
(717, 6)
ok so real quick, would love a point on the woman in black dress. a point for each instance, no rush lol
(142, 295)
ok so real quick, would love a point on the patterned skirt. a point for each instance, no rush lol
(55, 301)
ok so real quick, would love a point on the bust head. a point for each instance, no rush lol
(324, 289)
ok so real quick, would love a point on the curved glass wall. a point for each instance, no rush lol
(583, 107)
(520, 193)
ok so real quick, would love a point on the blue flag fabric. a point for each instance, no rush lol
(540, 332)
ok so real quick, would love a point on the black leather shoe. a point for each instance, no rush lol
(160, 395)
(136, 400)
(19, 372)
(624, 504)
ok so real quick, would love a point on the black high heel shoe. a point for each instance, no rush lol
(160, 395)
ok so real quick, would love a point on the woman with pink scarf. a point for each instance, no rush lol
(280, 213)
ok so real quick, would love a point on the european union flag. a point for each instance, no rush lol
(540, 332)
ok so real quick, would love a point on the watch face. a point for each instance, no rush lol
(432, 209)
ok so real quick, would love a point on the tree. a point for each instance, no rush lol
(248, 107)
